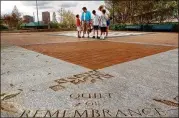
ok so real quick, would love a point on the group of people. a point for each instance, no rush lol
(87, 24)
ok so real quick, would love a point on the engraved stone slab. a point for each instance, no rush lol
(21, 68)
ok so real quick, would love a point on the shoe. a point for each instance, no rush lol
(98, 37)
(88, 37)
(83, 37)
(93, 37)
(101, 37)
(79, 36)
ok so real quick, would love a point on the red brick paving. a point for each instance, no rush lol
(43, 37)
(154, 38)
(97, 54)
(92, 54)
(35, 38)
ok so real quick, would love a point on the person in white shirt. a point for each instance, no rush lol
(102, 7)
(95, 24)
(103, 23)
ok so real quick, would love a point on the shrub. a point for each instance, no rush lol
(117, 27)
(18, 27)
(62, 25)
(54, 25)
(176, 27)
(3, 27)
(147, 27)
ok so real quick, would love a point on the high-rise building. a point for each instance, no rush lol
(28, 19)
(46, 17)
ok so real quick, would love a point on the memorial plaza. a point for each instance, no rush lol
(89, 59)
(56, 74)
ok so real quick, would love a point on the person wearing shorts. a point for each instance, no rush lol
(86, 19)
(95, 24)
(101, 8)
(103, 23)
(78, 25)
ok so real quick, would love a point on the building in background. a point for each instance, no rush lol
(28, 19)
(33, 25)
(46, 17)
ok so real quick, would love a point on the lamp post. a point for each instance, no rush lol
(37, 13)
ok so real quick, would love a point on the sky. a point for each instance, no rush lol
(29, 7)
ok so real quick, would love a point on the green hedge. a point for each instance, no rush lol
(172, 26)
(176, 28)
(2, 27)
(118, 27)
(54, 25)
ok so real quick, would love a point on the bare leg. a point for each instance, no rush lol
(79, 34)
(88, 33)
(83, 33)
(101, 33)
(107, 31)
(104, 34)
(93, 32)
(88, 29)
(84, 29)
(101, 37)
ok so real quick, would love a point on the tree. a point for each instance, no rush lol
(1, 20)
(16, 12)
(8, 20)
(54, 18)
(175, 5)
(54, 25)
(2, 26)
(142, 11)
(167, 10)
(68, 18)
(13, 19)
